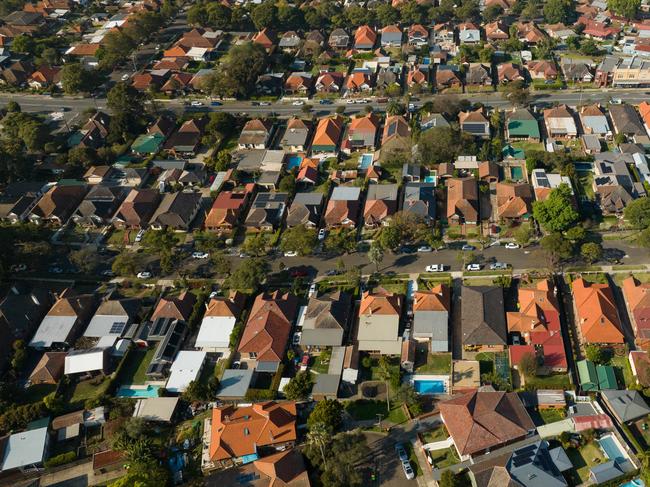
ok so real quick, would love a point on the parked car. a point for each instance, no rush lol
(473, 267)
(298, 103)
(304, 362)
(55, 270)
(216, 103)
(144, 275)
(408, 471)
(265, 103)
(200, 255)
(350, 101)
(107, 273)
(18, 268)
(498, 266)
(139, 236)
(425, 248)
(332, 272)
(468, 247)
(325, 102)
(196, 103)
(435, 268)
(290, 253)
(512, 245)
(298, 272)
(296, 340)
(401, 453)
(322, 233)
(312, 289)
(125, 77)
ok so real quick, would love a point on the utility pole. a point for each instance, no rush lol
(379, 416)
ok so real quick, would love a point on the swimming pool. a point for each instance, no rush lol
(293, 161)
(365, 161)
(583, 166)
(516, 173)
(429, 386)
(138, 391)
(430, 179)
(611, 448)
(634, 483)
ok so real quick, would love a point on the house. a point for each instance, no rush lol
(220, 317)
(609, 471)
(63, 322)
(626, 121)
(474, 123)
(256, 134)
(462, 201)
(544, 183)
(497, 31)
(381, 204)
(167, 335)
(343, 207)
(431, 317)
(389, 79)
(396, 137)
(359, 81)
(339, 39)
(175, 307)
(286, 468)
(417, 78)
(613, 183)
(296, 136)
(483, 321)
(227, 210)
(488, 171)
(514, 201)
(447, 77)
(265, 38)
(365, 38)
(542, 69)
(49, 368)
(509, 72)
(267, 212)
(57, 205)
(577, 71)
(270, 84)
(417, 35)
(186, 140)
(328, 135)
(137, 209)
(98, 206)
(478, 74)
(379, 319)
(306, 209)
(560, 123)
(266, 334)
(433, 120)
(596, 312)
(308, 171)
(594, 121)
(626, 406)
(411, 172)
(587, 375)
(330, 82)
(529, 33)
(299, 84)
(637, 299)
(113, 317)
(521, 124)
(469, 33)
(537, 323)
(17, 74)
(325, 321)
(93, 133)
(361, 133)
(236, 434)
(156, 409)
(45, 76)
(290, 41)
(185, 369)
(640, 366)
(420, 200)
(25, 451)
(391, 36)
(176, 211)
(19, 198)
(483, 420)
(86, 361)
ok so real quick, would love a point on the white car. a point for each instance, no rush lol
(408, 470)
(18, 268)
(498, 266)
(435, 268)
(322, 233)
(473, 267)
(617, 101)
(361, 100)
(298, 103)
(290, 253)
(144, 275)
(512, 245)
(196, 103)
(425, 248)
(125, 77)
(312, 289)
(200, 255)
(265, 103)
(138, 237)
(350, 101)
(214, 294)
(296, 338)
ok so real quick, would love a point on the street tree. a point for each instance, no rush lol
(591, 252)
(625, 8)
(126, 264)
(86, 259)
(517, 93)
(556, 248)
(75, 78)
(390, 238)
(375, 255)
(637, 213)
(249, 275)
(557, 213)
(523, 235)
(238, 72)
(256, 245)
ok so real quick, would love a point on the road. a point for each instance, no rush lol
(46, 104)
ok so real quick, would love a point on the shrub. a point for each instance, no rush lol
(61, 459)
(260, 395)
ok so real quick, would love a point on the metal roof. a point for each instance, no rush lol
(185, 369)
(235, 383)
(24, 449)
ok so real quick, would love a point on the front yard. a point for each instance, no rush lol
(583, 459)
(444, 458)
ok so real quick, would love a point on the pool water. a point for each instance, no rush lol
(611, 449)
(634, 483)
(583, 166)
(138, 392)
(365, 161)
(516, 173)
(293, 161)
(429, 386)
(430, 179)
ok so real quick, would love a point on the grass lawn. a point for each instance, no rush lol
(622, 367)
(549, 382)
(444, 458)
(437, 434)
(642, 277)
(320, 366)
(365, 410)
(585, 181)
(36, 393)
(118, 236)
(528, 145)
(88, 389)
(551, 415)
(436, 363)
(584, 458)
(486, 361)
(133, 372)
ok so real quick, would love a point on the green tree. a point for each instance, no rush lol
(288, 184)
(386, 373)
(390, 238)
(448, 479)
(126, 264)
(556, 11)
(408, 395)
(23, 44)
(299, 239)
(249, 275)
(492, 12)
(625, 8)
(329, 413)
(265, 15)
(644, 238)
(86, 259)
(375, 255)
(557, 248)
(197, 391)
(127, 105)
(598, 355)
(591, 252)
(74, 78)
(219, 15)
(319, 437)
(523, 235)
(386, 14)
(588, 47)
(256, 244)
(576, 234)
(299, 387)
(443, 144)
(238, 72)
(160, 241)
(637, 213)
(341, 241)
(528, 365)
(339, 461)
(517, 93)
(557, 213)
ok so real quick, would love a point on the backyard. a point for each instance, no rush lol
(583, 459)
(133, 371)
(89, 389)
(444, 458)
(438, 433)
(432, 363)
(366, 410)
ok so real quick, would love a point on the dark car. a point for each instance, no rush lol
(216, 103)
(325, 102)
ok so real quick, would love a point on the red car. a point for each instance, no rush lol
(304, 363)
(298, 272)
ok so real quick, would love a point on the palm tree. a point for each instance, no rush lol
(319, 436)
(375, 255)
(384, 373)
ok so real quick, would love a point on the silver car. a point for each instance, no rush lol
(408, 470)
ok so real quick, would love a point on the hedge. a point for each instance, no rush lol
(61, 459)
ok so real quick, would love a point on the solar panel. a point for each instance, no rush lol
(117, 328)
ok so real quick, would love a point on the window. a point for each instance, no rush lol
(252, 354)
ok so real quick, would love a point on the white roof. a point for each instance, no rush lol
(103, 325)
(24, 449)
(53, 329)
(184, 370)
(215, 332)
(106, 341)
(155, 408)
(78, 361)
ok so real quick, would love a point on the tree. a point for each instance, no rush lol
(375, 255)
(126, 264)
(556, 247)
(319, 437)
(299, 239)
(624, 8)
(598, 355)
(556, 11)
(390, 238)
(644, 238)
(256, 244)
(127, 105)
(221, 264)
(591, 252)
(299, 387)
(443, 144)
(238, 72)
(492, 12)
(265, 15)
(448, 479)
(588, 47)
(328, 413)
(557, 213)
(394, 107)
(86, 259)
(197, 391)
(528, 365)
(576, 234)
(341, 241)
(637, 213)
(74, 78)
(408, 395)
(339, 462)
(288, 184)
(23, 43)
(160, 241)
(523, 235)
(386, 14)
(249, 275)
(386, 373)
(517, 93)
